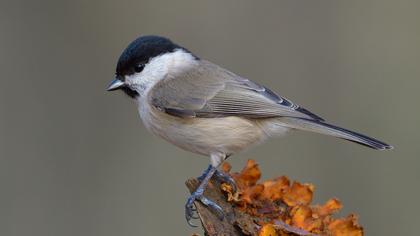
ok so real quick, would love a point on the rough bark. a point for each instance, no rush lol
(235, 222)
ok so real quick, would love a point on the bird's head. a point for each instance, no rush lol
(145, 61)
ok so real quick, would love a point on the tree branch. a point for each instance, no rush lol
(235, 222)
(275, 207)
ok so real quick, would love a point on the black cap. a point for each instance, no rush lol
(141, 50)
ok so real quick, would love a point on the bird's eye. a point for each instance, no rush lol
(138, 68)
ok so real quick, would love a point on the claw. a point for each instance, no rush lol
(191, 224)
(195, 217)
(189, 212)
(224, 177)
(190, 209)
(213, 206)
(198, 196)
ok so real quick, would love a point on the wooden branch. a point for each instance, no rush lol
(263, 208)
(235, 222)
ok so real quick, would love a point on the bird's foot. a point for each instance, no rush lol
(222, 176)
(191, 210)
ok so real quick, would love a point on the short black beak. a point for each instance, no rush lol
(115, 84)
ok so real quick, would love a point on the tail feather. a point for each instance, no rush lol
(320, 127)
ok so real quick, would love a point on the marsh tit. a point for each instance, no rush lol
(206, 109)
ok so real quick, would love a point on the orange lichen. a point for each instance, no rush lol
(275, 189)
(268, 230)
(277, 200)
(298, 194)
(347, 226)
(249, 175)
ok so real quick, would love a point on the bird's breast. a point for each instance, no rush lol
(204, 136)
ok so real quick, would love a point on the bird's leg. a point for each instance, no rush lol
(198, 195)
(204, 174)
(220, 176)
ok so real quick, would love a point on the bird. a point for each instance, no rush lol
(208, 110)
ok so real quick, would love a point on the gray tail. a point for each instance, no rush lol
(328, 129)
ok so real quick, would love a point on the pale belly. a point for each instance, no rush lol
(227, 135)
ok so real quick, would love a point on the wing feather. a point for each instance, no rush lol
(207, 90)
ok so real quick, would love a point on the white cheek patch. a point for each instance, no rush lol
(139, 82)
(158, 68)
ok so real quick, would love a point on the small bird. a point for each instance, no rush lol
(208, 110)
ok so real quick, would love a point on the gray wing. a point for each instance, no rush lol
(211, 91)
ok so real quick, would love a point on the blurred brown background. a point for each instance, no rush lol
(76, 160)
